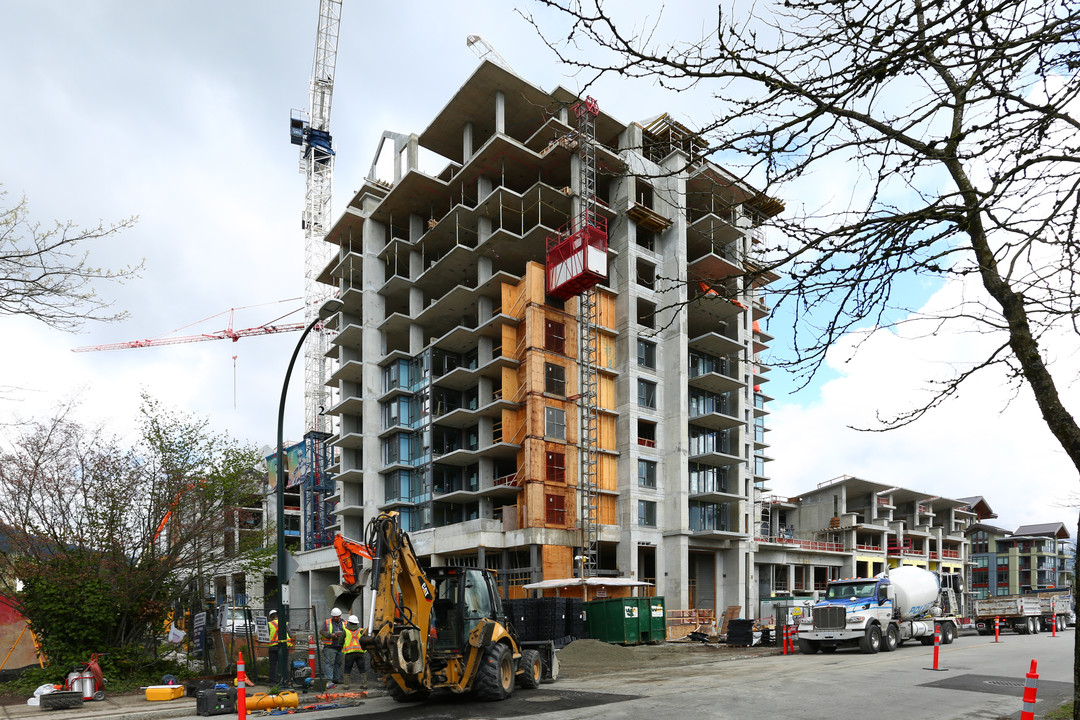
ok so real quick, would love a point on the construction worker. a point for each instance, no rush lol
(333, 639)
(279, 641)
(354, 654)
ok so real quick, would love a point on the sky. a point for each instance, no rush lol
(178, 113)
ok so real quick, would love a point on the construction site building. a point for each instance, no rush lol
(459, 377)
(851, 527)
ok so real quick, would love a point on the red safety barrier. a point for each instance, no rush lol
(937, 648)
(787, 637)
(241, 694)
(311, 657)
(1053, 625)
(997, 629)
(1031, 689)
(793, 631)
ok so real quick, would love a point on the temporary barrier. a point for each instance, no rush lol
(937, 648)
(241, 694)
(997, 629)
(1031, 689)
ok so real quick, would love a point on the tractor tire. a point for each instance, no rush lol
(891, 641)
(948, 633)
(495, 676)
(870, 642)
(808, 647)
(532, 669)
(61, 700)
(398, 695)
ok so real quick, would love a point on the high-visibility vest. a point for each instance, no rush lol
(330, 631)
(273, 627)
(352, 640)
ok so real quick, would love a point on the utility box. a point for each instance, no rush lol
(627, 621)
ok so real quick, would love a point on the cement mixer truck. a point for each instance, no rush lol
(883, 612)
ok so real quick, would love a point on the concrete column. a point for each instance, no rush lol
(416, 227)
(466, 142)
(412, 153)
(372, 493)
(484, 266)
(535, 563)
(673, 569)
(500, 112)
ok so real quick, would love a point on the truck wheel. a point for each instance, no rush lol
(891, 639)
(532, 669)
(808, 647)
(495, 676)
(948, 633)
(1036, 625)
(870, 642)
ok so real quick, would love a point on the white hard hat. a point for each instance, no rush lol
(272, 612)
(336, 612)
(354, 619)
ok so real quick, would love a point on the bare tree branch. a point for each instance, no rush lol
(45, 272)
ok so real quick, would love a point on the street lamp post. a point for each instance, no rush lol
(328, 308)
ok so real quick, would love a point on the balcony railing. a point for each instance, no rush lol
(805, 544)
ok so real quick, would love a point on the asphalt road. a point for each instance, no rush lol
(978, 679)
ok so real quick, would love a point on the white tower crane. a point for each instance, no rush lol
(485, 51)
(312, 134)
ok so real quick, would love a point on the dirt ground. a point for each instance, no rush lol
(582, 658)
(591, 657)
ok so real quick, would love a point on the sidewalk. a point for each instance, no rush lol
(137, 707)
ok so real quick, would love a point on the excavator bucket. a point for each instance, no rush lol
(342, 597)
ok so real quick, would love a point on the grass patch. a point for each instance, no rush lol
(1064, 712)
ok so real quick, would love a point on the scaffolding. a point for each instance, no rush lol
(587, 347)
(317, 486)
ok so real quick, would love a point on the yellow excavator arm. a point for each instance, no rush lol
(400, 607)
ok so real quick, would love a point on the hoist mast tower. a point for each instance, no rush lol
(311, 131)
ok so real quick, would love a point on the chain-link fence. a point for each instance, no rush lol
(216, 636)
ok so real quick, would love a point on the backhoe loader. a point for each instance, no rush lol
(440, 628)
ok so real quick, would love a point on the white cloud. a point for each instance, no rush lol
(989, 440)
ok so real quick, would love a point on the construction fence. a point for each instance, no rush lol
(215, 637)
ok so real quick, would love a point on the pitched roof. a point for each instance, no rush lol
(979, 506)
(993, 529)
(1055, 529)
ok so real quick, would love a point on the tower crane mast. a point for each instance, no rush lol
(311, 131)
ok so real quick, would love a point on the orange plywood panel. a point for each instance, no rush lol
(606, 435)
(605, 353)
(607, 509)
(557, 561)
(607, 472)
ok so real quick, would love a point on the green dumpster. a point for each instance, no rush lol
(627, 621)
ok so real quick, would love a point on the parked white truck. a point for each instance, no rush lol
(881, 613)
(1027, 613)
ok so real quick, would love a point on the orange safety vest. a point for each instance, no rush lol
(272, 625)
(330, 631)
(352, 640)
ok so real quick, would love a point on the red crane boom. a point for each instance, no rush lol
(227, 334)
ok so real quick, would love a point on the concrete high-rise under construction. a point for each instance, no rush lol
(616, 429)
